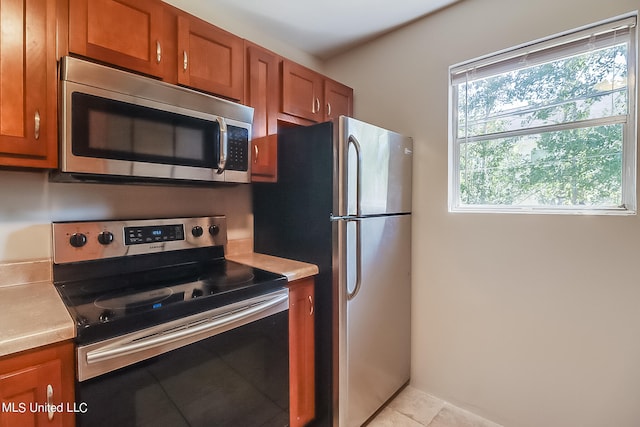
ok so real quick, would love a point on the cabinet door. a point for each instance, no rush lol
(28, 83)
(22, 391)
(262, 93)
(338, 100)
(210, 59)
(302, 347)
(32, 380)
(126, 33)
(302, 94)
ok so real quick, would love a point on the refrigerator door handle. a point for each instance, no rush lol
(352, 294)
(353, 140)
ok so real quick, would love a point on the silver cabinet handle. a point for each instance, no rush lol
(36, 120)
(158, 51)
(222, 157)
(310, 305)
(328, 108)
(256, 153)
(50, 406)
(185, 60)
(317, 103)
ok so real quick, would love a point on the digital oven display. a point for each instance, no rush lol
(153, 234)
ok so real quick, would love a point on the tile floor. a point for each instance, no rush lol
(414, 408)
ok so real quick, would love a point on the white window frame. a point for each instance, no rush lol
(541, 50)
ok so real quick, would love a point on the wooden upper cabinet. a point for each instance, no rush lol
(28, 120)
(302, 92)
(338, 100)
(209, 58)
(41, 376)
(126, 33)
(262, 92)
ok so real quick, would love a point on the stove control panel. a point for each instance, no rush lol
(154, 234)
(93, 240)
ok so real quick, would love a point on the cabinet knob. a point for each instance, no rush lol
(310, 305)
(158, 51)
(256, 153)
(328, 108)
(185, 60)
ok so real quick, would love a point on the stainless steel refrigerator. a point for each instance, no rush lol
(343, 202)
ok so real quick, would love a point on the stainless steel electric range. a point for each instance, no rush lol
(168, 331)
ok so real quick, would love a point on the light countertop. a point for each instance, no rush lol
(294, 270)
(31, 311)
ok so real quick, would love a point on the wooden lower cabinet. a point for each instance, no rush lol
(301, 351)
(34, 381)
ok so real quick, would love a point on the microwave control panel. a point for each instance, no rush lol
(237, 148)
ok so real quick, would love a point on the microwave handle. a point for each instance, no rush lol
(222, 155)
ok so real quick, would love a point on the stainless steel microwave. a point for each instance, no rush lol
(117, 125)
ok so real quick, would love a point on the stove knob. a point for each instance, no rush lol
(78, 240)
(214, 230)
(197, 231)
(105, 238)
(82, 321)
(196, 293)
(106, 316)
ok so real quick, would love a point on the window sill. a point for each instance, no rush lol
(543, 210)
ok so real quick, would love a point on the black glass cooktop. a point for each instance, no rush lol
(112, 305)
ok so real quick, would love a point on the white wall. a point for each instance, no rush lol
(29, 203)
(528, 320)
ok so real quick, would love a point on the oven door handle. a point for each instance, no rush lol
(210, 326)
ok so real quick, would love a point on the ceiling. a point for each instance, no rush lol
(327, 27)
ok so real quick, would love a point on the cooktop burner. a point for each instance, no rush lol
(110, 291)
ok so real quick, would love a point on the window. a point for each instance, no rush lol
(547, 127)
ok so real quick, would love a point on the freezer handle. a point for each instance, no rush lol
(352, 294)
(353, 140)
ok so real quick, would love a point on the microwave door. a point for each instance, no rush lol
(108, 134)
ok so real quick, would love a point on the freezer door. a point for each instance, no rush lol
(375, 167)
(374, 297)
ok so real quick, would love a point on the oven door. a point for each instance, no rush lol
(226, 367)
